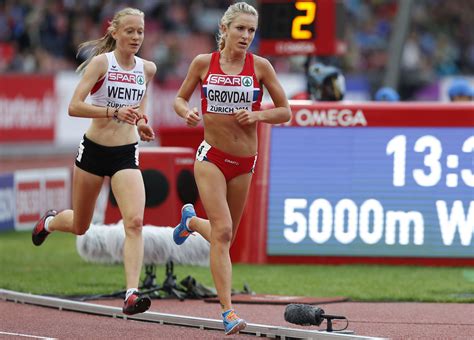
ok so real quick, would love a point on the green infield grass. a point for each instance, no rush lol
(56, 268)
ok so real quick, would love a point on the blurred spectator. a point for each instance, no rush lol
(460, 91)
(42, 36)
(326, 83)
(440, 41)
(386, 94)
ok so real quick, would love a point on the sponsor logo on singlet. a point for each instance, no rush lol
(128, 78)
(231, 161)
(226, 94)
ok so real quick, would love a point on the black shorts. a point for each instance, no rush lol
(106, 160)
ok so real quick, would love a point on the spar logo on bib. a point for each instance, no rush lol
(247, 81)
(224, 80)
(230, 80)
(122, 77)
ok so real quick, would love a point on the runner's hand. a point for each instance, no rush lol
(192, 117)
(146, 132)
(245, 117)
(127, 114)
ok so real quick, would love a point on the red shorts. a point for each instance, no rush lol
(231, 166)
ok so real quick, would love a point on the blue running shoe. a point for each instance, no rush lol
(232, 322)
(181, 232)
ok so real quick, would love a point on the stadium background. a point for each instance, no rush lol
(42, 36)
(38, 40)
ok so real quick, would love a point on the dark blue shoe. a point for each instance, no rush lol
(181, 232)
(232, 322)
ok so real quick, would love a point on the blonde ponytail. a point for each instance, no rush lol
(107, 42)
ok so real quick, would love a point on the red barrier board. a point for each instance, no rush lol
(27, 108)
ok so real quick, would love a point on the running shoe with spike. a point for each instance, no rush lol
(232, 322)
(39, 233)
(181, 232)
(136, 303)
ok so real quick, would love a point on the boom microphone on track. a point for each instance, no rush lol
(306, 315)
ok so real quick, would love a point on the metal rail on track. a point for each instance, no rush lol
(171, 319)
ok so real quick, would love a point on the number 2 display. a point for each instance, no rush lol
(292, 27)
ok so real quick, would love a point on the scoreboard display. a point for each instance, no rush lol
(343, 182)
(363, 183)
(290, 20)
(300, 27)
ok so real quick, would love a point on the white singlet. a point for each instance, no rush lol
(119, 87)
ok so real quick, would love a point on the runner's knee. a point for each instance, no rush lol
(222, 234)
(134, 225)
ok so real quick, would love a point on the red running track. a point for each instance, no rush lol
(386, 320)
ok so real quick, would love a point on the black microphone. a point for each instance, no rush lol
(306, 315)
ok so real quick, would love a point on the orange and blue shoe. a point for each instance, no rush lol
(181, 232)
(136, 303)
(232, 322)
(39, 233)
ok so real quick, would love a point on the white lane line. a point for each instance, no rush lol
(27, 335)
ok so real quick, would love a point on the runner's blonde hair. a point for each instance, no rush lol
(232, 12)
(107, 42)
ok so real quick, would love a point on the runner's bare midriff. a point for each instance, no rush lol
(226, 134)
(109, 132)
